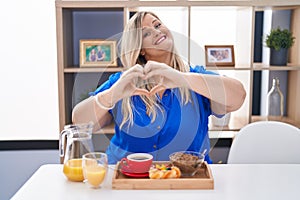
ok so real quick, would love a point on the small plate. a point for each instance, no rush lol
(135, 175)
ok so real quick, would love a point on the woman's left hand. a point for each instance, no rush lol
(163, 76)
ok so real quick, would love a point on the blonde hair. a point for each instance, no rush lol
(131, 44)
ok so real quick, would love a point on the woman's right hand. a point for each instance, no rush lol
(127, 85)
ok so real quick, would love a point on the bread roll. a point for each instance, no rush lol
(164, 172)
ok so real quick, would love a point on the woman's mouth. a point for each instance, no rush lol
(160, 40)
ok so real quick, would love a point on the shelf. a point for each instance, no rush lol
(86, 69)
(119, 69)
(237, 67)
(256, 67)
(135, 3)
(276, 7)
(281, 119)
(222, 134)
(78, 19)
(213, 134)
(235, 124)
(289, 67)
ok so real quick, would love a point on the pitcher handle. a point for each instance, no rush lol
(62, 137)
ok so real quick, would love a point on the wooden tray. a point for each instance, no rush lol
(203, 179)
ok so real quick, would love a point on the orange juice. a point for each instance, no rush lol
(95, 175)
(73, 170)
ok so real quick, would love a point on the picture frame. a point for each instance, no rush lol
(98, 53)
(219, 55)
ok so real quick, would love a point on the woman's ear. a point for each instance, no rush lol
(142, 53)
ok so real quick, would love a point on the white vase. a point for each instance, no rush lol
(223, 121)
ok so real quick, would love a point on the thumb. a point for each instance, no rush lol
(156, 89)
(139, 91)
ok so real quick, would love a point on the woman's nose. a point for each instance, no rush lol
(156, 32)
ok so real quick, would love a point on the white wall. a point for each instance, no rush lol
(28, 85)
(28, 78)
(177, 25)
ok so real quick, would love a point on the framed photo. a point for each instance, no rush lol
(98, 53)
(219, 55)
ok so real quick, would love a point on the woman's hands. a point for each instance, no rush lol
(127, 86)
(159, 74)
(163, 77)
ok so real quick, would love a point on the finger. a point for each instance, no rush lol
(138, 67)
(156, 80)
(135, 68)
(136, 90)
(132, 75)
(161, 80)
(157, 89)
(139, 91)
(162, 71)
(152, 65)
(153, 74)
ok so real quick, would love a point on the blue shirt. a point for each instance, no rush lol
(177, 126)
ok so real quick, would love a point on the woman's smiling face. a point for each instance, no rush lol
(157, 39)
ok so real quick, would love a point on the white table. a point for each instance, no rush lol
(242, 182)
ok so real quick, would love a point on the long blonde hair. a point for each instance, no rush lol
(131, 45)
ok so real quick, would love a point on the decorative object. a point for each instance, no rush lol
(98, 53)
(75, 141)
(275, 100)
(279, 41)
(219, 55)
(220, 122)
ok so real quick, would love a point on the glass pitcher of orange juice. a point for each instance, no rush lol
(75, 141)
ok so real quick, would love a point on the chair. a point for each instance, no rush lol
(266, 142)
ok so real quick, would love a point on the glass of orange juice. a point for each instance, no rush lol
(94, 166)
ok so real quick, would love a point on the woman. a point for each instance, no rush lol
(93, 55)
(159, 104)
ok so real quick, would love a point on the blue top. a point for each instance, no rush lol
(177, 127)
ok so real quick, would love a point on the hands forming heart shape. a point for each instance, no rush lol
(151, 85)
(136, 80)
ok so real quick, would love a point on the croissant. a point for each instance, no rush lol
(164, 172)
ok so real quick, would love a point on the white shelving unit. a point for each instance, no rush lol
(243, 40)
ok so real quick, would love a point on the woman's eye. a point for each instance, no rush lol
(157, 25)
(146, 34)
